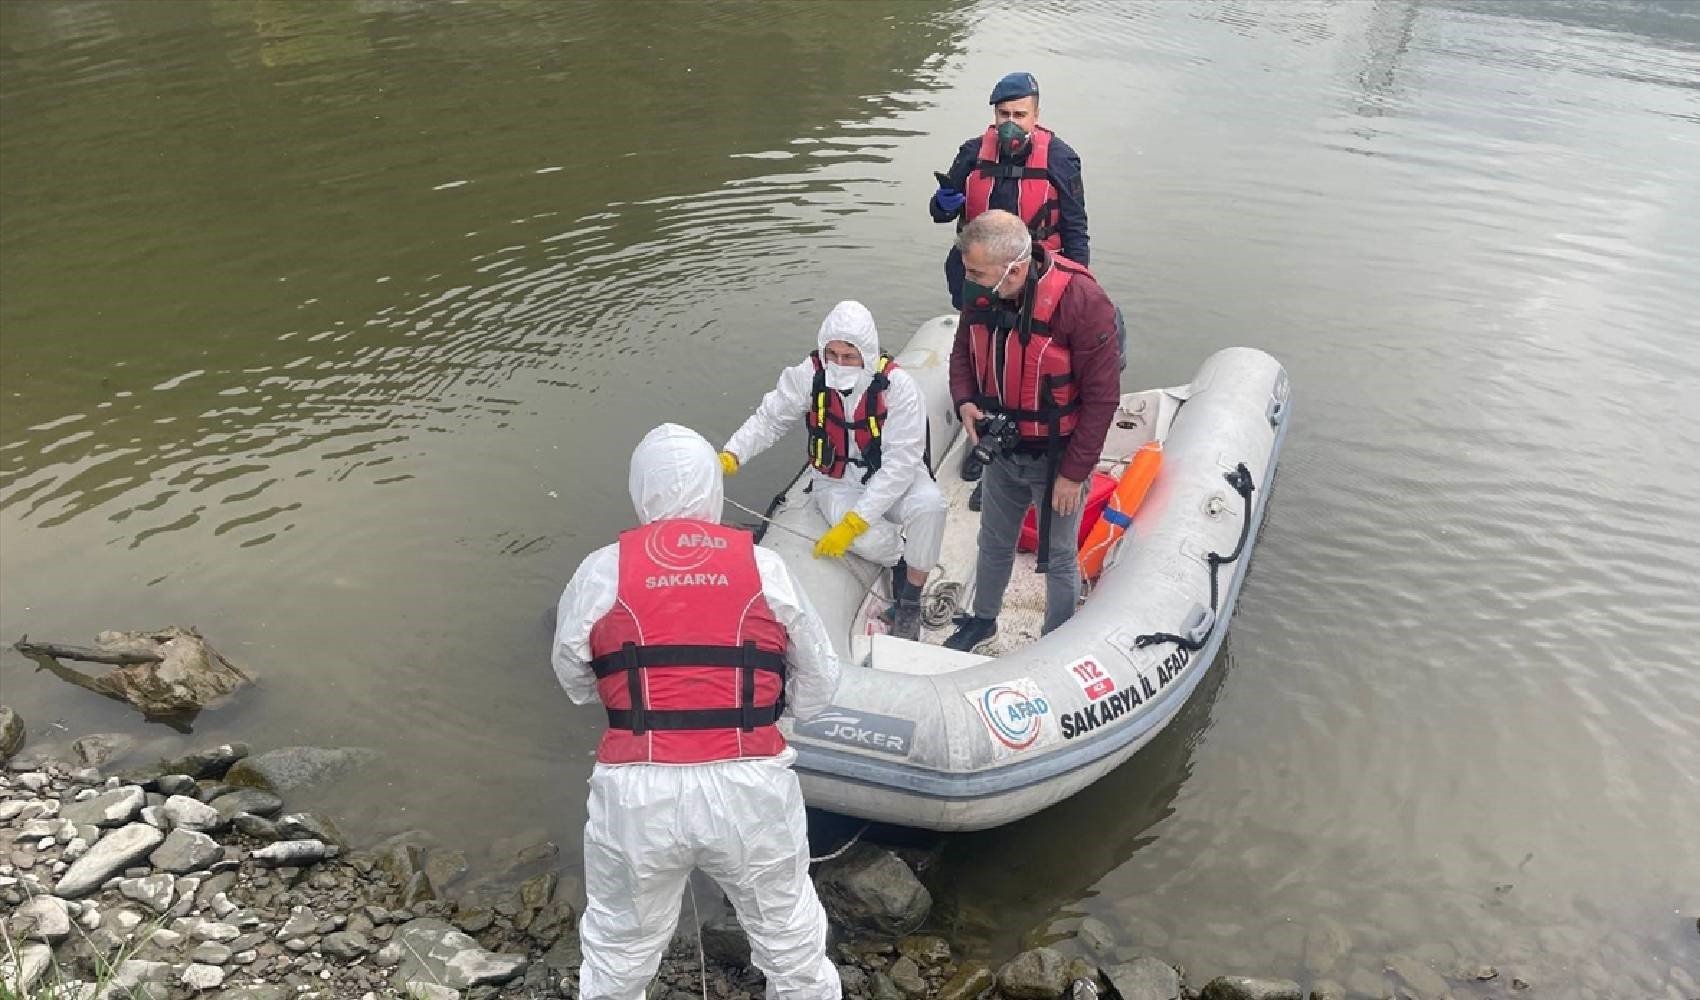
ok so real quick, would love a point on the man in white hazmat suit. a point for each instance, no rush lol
(867, 449)
(689, 634)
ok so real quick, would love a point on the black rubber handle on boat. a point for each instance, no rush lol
(1240, 480)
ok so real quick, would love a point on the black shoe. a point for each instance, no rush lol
(974, 497)
(970, 632)
(971, 468)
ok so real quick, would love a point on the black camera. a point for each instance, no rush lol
(998, 434)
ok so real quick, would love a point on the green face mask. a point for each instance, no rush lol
(978, 296)
(1012, 141)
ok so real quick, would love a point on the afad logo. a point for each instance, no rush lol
(1015, 712)
(681, 550)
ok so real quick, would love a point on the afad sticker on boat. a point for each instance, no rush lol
(1016, 714)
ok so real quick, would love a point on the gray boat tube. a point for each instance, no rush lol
(926, 737)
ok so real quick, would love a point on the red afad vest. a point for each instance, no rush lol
(829, 432)
(1018, 367)
(690, 660)
(1036, 202)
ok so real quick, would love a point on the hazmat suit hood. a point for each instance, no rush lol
(851, 322)
(675, 473)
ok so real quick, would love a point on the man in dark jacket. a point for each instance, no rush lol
(1036, 344)
(1017, 140)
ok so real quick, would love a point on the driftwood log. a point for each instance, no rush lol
(89, 654)
(164, 672)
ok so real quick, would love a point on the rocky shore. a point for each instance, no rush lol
(192, 877)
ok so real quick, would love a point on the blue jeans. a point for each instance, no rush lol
(1011, 484)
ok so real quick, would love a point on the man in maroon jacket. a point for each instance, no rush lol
(1036, 347)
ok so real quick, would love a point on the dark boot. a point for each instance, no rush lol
(970, 632)
(906, 612)
(899, 577)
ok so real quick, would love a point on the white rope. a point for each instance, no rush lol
(702, 956)
(847, 845)
(866, 583)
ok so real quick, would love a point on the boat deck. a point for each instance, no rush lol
(950, 588)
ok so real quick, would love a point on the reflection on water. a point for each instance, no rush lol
(328, 327)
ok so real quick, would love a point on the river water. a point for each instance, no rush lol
(328, 326)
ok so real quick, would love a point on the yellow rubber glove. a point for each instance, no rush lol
(728, 463)
(838, 538)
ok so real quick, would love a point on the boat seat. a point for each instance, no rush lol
(902, 656)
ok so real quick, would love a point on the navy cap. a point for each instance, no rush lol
(1015, 85)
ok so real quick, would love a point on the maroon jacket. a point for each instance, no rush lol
(1085, 323)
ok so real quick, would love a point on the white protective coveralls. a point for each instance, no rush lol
(739, 821)
(902, 493)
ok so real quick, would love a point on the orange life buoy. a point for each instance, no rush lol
(1118, 516)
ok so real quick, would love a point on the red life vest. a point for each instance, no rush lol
(1036, 202)
(1018, 368)
(690, 660)
(829, 432)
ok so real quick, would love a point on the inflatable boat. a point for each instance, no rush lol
(924, 736)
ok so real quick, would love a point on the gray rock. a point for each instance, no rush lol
(1145, 979)
(256, 991)
(215, 930)
(444, 868)
(401, 856)
(212, 886)
(724, 939)
(156, 892)
(202, 977)
(33, 959)
(972, 979)
(472, 917)
(1098, 939)
(1247, 988)
(211, 953)
(97, 749)
(906, 975)
(297, 767)
(436, 952)
(417, 890)
(110, 855)
(880, 987)
(257, 801)
(291, 852)
(209, 763)
(11, 733)
(1037, 974)
(388, 955)
(565, 956)
(428, 991)
(42, 918)
(301, 923)
(114, 808)
(176, 784)
(185, 851)
(925, 950)
(186, 813)
(133, 976)
(311, 826)
(1327, 989)
(871, 889)
(345, 945)
(257, 827)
